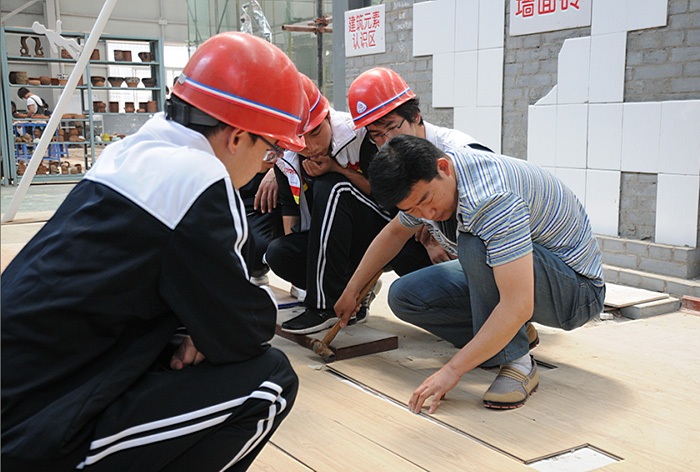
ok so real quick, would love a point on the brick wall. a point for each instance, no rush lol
(416, 71)
(637, 206)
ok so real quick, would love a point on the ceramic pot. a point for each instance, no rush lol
(145, 56)
(99, 107)
(132, 81)
(95, 56)
(62, 79)
(129, 107)
(24, 49)
(65, 54)
(18, 77)
(114, 107)
(54, 81)
(97, 81)
(38, 50)
(34, 81)
(45, 80)
(118, 55)
(126, 56)
(149, 81)
(115, 81)
(152, 106)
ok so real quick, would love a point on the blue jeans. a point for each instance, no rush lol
(453, 299)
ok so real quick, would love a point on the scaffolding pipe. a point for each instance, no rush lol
(58, 111)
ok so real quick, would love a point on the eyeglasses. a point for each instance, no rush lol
(378, 134)
(273, 153)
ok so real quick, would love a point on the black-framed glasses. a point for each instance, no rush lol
(273, 153)
(378, 134)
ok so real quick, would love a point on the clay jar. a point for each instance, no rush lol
(97, 81)
(95, 56)
(132, 81)
(99, 107)
(18, 77)
(115, 81)
(45, 80)
(129, 107)
(149, 81)
(114, 107)
(145, 56)
(152, 106)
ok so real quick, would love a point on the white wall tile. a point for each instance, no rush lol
(444, 80)
(488, 127)
(679, 148)
(444, 31)
(492, 17)
(643, 14)
(465, 119)
(572, 132)
(607, 70)
(677, 209)
(425, 22)
(603, 201)
(609, 16)
(641, 126)
(573, 70)
(467, 25)
(490, 77)
(575, 179)
(541, 135)
(605, 136)
(465, 83)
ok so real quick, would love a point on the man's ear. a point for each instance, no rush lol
(443, 164)
(234, 138)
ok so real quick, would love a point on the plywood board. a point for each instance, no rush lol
(274, 459)
(634, 399)
(618, 296)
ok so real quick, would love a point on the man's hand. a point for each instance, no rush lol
(266, 196)
(319, 165)
(346, 307)
(186, 354)
(436, 252)
(436, 386)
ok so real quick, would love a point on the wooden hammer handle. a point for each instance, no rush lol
(330, 335)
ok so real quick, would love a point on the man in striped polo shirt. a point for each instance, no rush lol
(526, 253)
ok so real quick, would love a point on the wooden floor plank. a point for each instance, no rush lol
(636, 402)
(274, 459)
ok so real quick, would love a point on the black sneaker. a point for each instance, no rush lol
(360, 316)
(311, 321)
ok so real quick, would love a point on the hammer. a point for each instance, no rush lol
(322, 347)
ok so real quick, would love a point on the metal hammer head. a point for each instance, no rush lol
(324, 351)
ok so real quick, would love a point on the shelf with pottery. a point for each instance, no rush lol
(41, 68)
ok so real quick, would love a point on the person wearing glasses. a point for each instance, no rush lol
(328, 214)
(383, 103)
(132, 336)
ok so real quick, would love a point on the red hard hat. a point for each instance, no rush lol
(318, 104)
(247, 83)
(376, 92)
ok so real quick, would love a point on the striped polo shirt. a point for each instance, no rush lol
(510, 203)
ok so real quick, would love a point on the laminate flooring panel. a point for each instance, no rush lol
(626, 388)
(274, 459)
(335, 426)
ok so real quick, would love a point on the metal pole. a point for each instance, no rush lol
(60, 108)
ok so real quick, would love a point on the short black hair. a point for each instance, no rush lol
(22, 92)
(410, 110)
(402, 162)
